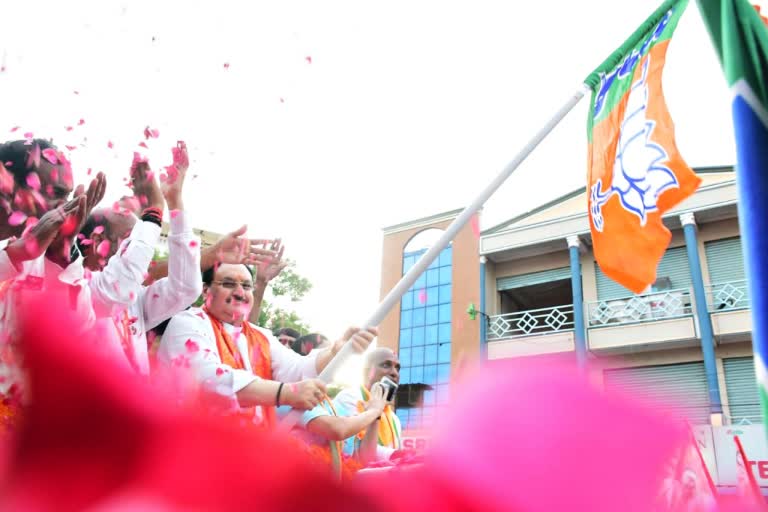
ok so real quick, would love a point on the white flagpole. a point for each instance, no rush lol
(449, 234)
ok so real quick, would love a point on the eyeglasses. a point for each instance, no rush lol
(231, 285)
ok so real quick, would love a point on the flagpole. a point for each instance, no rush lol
(449, 234)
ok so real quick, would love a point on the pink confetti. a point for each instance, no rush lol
(282, 100)
(6, 180)
(226, 65)
(17, 218)
(193, 243)
(33, 161)
(155, 296)
(308, 59)
(174, 213)
(152, 133)
(81, 122)
(76, 92)
(103, 248)
(70, 148)
(86, 242)
(142, 144)
(51, 155)
(219, 372)
(132, 296)
(475, 223)
(110, 145)
(423, 296)
(69, 128)
(200, 314)
(89, 171)
(33, 181)
(98, 230)
(29, 135)
(15, 128)
(191, 346)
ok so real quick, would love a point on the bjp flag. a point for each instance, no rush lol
(635, 170)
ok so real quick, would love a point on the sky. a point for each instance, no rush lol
(323, 122)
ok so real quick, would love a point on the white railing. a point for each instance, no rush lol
(649, 307)
(531, 322)
(727, 296)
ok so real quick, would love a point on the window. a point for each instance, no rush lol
(425, 338)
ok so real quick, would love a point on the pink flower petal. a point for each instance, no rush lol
(226, 65)
(69, 128)
(193, 244)
(51, 155)
(70, 148)
(174, 213)
(308, 59)
(89, 171)
(15, 128)
(6, 181)
(98, 230)
(29, 135)
(81, 122)
(103, 248)
(33, 160)
(110, 145)
(191, 346)
(219, 372)
(33, 181)
(17, 218)
(76, 92)
(143, 145)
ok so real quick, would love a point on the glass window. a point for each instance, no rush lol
(445, 313)
(428, 417)
(430, 354)
(430, 375)
(417, 356)
(435, 263)
(429, 398)
(446, 256)
(405, 375)
(405, 319)
(420, 283)
(433, 277)
(408, 262)
(444, 353)
(444, 295)
(444, 333)
(442, 394)
(402, 414)
(417, 374)
(432, 317)
(405, 338)
(405, 356)
(414, 418)
(417, 338)
(443, 373)
(433, 296)
(418, 317)
(431, 334)
(445, 275)
(407, 301)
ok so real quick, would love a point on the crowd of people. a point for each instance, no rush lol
(61, 237)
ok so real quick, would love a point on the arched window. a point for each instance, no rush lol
(425, 334)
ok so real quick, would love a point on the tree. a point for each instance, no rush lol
(293, 286)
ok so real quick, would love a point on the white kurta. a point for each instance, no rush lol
(7, 269)
(163, 298)
(204, 361)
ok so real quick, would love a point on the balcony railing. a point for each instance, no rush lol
(728, 296)
(531, 322)
(640, 308)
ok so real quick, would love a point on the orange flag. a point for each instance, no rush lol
(635, 170)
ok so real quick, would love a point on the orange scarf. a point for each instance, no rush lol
(388, 433)
(258, 354)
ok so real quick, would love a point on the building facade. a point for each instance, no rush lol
(685, 341)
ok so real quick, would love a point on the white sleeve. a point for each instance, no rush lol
(7, 269)
(183, 285)
(189, 339)
(122, 279)
(346, 402)
(287, 365)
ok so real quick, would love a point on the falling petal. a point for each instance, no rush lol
(33, 181)
(219, 372)
(69, 128)
(81, 122)
(174, 213)
(191, 346)
(15, 128)
(103, 248)
(226, 65)
(143, 145)
(70, 148)
(29, 135)
(17, 218)
(98, 230)
(6, 180)
(33, 161)
(51, 155)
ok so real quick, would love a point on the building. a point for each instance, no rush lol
(685, 341)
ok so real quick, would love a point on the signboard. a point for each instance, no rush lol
(755, 447)
(415, 440)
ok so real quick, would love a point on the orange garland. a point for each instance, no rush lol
(9, 417)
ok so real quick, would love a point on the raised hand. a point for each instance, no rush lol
(235, 249)
(144, 185)
(172, 183)
(378, 398)
(269, 267)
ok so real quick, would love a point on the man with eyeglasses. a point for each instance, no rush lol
(230, 357)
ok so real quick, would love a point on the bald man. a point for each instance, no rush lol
(119, 246)
(378, 363)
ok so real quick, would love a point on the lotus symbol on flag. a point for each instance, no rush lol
(639, 173)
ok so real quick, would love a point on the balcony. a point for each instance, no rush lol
(646, 321)
(532, 332)
(729, 305)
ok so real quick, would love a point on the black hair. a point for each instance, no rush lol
(293, 333)
(14, 155)
(208, 273)
(313, 338)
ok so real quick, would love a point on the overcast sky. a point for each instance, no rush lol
(334, 119)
